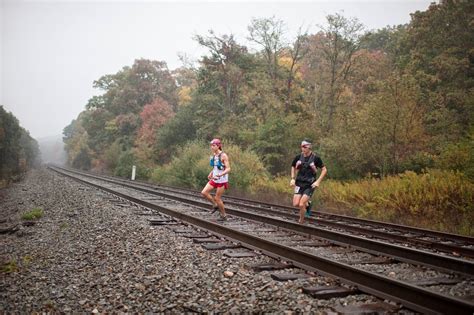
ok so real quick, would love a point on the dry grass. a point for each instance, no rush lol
(440, 200)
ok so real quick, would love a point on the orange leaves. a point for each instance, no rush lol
(153, 116)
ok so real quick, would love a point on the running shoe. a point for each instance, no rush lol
(221, 218)
(308, 209)
(214, 209)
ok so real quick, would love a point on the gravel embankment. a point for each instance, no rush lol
(89, 253)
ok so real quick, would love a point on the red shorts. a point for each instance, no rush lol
(218, 185)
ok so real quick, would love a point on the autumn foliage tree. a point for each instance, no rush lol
(113, 122)
(385, 101)
(153, 116)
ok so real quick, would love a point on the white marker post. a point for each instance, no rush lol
(134, 170)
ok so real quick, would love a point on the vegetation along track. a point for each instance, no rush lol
(332, 251)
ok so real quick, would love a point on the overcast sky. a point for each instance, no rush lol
(52, 51)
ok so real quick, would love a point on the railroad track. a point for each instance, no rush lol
(452, 245)
(267, 228)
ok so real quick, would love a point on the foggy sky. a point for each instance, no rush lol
(52, 51)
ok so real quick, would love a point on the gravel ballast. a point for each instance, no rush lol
(91, 252)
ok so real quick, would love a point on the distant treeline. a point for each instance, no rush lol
(18, 150)
(375, 103)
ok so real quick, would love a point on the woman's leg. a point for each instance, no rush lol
(218, 199)
(206, 193)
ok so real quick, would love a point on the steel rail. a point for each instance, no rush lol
(416, 240)
(413, 297)
(409, 255)
(338, 217)
(374, 223)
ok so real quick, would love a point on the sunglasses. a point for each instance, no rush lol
(305, 146)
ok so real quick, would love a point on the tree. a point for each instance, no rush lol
(388, 40)
(82, 160)
(273, 142)
(440, 50)
(18, 150)
(390, 128)
(295, 53)
(167, 137)
(76, 144)
(153, 116)
(222, 73)
(113, 118)
(130, 89)
(186, 80)
(268, 33)
(329, 65)
(222, 79)
(95, 122)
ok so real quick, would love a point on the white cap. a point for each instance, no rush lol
(304, 142)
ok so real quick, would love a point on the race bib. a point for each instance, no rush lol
(297, 189)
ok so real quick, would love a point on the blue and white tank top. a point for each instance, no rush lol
(218, 169)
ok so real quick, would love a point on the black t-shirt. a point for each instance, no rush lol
(306, 173)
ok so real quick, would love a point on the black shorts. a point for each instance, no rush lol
(304, 190)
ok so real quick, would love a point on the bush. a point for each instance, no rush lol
(191, 167)
(111, 155)
(458, 157)
(82, 160)
(276, 190)
(125, 164)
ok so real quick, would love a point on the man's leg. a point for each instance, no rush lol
(296, 200)
(302, 205)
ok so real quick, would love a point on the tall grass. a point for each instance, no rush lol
(441, 200)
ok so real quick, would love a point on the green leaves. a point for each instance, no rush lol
(18, 150)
